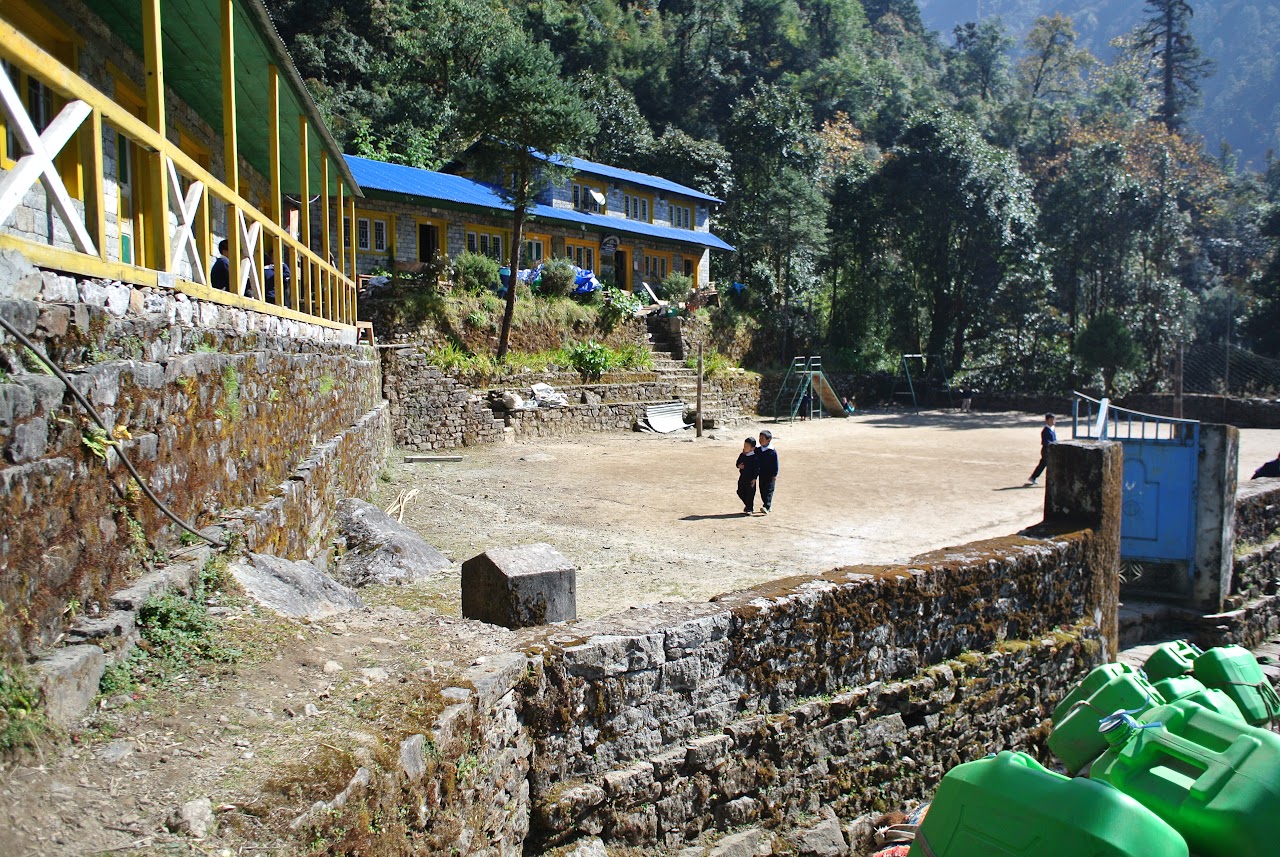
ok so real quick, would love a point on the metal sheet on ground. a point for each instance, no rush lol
(665, 418)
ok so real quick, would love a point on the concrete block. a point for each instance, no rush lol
(68, 680)
(519, 587)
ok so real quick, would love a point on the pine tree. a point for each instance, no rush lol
(1167, 41)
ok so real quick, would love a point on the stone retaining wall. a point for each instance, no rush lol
(854, 689)
(433, 409)
(219, 408)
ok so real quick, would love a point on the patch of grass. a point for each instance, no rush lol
(327, 384)
(22, 721)
(36, 363)
(713, 363)
(230, 409)
(176, 635)
(186, 382)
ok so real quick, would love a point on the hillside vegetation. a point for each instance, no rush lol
(973, 197)
(1241, 99)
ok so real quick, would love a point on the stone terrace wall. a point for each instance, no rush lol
(227, 410)
(1255, 581)
(775, 701)
(432, 409)
(854, 689)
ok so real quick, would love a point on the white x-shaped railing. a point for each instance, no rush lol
(41, 149)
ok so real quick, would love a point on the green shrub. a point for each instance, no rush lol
(618, 306)
(713, 362)
(176, 634)
(478, 318)
(676, 287)
(633, 356)
(557, 277)
(474, 273)
(21, 718)
(590, 359)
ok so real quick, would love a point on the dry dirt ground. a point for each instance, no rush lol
(644, 517)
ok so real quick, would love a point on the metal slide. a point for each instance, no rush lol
(830, 401)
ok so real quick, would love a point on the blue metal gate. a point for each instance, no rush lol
(1161, 458)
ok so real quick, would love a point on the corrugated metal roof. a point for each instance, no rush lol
(459, 190)
(582, 165)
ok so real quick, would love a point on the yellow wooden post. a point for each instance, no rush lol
(340, 209)
(96, 198)
(204, 237)
(325, 273)
(231, 148)
(277, 192)
(304, 204)
(157, 183)
(351, 215)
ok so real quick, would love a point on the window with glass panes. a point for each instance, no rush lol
(582, 255)
(587, 196)
(486, 242)
(681, 217)
(656, 266)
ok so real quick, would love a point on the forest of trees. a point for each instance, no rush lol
(889, 189)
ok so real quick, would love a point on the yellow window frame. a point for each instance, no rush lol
(542, 238)
(638, 206)
(388, 220)
(583, 254)
(580, 188)
(479, 240)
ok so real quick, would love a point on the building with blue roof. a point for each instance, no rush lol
(626, 226)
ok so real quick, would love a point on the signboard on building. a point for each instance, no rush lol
(608, 244)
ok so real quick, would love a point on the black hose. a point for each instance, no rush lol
(97, 418)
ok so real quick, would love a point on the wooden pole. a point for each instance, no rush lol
(697, 414)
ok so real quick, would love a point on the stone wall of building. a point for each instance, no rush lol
(222, 410)
(855, 690)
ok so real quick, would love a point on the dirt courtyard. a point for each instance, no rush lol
(648, 517)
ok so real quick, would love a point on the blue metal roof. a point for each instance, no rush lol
(460, 190)
(582, 165)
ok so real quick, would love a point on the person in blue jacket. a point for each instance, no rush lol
(768, 470)
(748, 469)
(1048, 437)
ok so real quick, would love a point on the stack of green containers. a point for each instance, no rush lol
(1214, 779)
(1175, 760)
(1009, 806)
(1108, 688)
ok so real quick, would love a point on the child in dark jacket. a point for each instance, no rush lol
(748, 470)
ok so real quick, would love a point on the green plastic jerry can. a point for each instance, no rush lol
(1180, 687)
(1108, 688)
(1212, 778)
(1010, 806)
(1235, 671)
(1171, 659)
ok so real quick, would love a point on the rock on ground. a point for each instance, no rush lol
(753, 842)
(825, 839)
(382, 550)
(194, 818)
(296, 589)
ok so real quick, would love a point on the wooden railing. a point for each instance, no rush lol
(181, 248)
